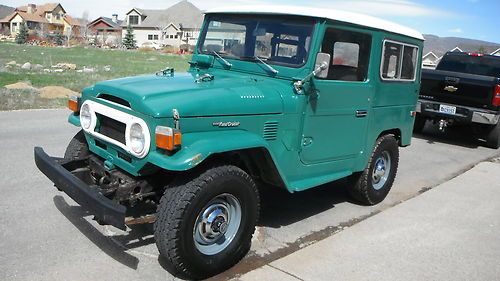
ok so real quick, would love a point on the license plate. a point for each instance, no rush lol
(447, 109)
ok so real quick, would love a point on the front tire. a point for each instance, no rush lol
(371, 186)
(77, 147)
(493, 138)
(205, 225)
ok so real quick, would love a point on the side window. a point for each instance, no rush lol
(350, 52)
(399, 61)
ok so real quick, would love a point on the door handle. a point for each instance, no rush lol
(361, 113)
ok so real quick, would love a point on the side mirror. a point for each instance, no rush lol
(322, 65)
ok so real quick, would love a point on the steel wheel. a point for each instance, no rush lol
(381, 170)
(217, 224)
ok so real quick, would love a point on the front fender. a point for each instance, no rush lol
(199, 146)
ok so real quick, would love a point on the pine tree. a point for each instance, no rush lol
(22, 35)
(58, 39)
(129, 41)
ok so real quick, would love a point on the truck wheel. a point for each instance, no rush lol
(371, 186)
(205, 226)
(77, 147)
(419, 125)
(493, 138)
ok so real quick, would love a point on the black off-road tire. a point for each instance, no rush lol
(178, 212)
(362, 187)
(493, 138)
(77, 147)
(419, 125)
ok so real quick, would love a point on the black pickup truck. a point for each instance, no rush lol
(464, 88)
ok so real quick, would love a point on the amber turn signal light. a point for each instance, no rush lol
(168, 138)
(73, 104)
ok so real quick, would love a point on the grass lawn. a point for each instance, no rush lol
(123, 63)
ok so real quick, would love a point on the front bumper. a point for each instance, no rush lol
(464, 114)
(104, 209)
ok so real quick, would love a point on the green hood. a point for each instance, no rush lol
(226, 95)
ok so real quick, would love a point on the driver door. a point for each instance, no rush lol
(336, 115)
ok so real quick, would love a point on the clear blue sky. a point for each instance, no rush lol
(477, 19)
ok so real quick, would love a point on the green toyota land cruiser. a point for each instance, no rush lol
(286, 97)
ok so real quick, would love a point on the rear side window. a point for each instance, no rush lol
(399, 61)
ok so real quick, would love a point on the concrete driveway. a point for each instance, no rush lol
(46, 236)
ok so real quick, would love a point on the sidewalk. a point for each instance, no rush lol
(451, 232)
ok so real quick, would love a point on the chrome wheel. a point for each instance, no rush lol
(217, 224)
(381, 170)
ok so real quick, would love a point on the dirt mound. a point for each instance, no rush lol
(56, 92)
(20, 86)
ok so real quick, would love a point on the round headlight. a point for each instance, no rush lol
(85, 116)
(137, 138)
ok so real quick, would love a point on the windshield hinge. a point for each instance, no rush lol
(168, 72)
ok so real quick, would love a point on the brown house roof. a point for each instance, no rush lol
(41, 9)
(39, 14)
(25, 16)
(108, 21)
(73, 22)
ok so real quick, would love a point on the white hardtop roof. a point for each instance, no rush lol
(337, 15)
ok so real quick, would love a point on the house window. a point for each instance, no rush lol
(58, 16)
(177, 36)
(350, 52)
(150, 37)
(155, 37)
(399, 61)
(133, 20)
(171, 36)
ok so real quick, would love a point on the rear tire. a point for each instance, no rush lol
(419, 125)
(371, 186)
(205, 225)
(493, 138)
(77, 147)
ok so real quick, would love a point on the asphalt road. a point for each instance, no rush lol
(44, 235)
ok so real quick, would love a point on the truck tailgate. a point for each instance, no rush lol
(458, 88)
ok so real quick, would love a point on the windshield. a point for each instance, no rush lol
(479, 65)
(276, 40)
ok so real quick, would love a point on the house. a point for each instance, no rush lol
(430, 60)
(73, 28)
(43, 19)
(496, 52)
(177, 26)
(105, 31)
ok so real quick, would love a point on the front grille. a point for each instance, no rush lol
(111, 128)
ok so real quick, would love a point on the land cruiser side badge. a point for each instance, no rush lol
(225, 124)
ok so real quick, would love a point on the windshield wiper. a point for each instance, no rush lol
(272, 69)
(226, 63)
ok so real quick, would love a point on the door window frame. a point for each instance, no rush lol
(371, 57)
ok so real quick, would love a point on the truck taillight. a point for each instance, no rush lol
(496, 96)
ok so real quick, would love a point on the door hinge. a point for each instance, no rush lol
(307, 141)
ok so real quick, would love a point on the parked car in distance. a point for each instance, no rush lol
(464, 88)
(152, 45)
(290, 99)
